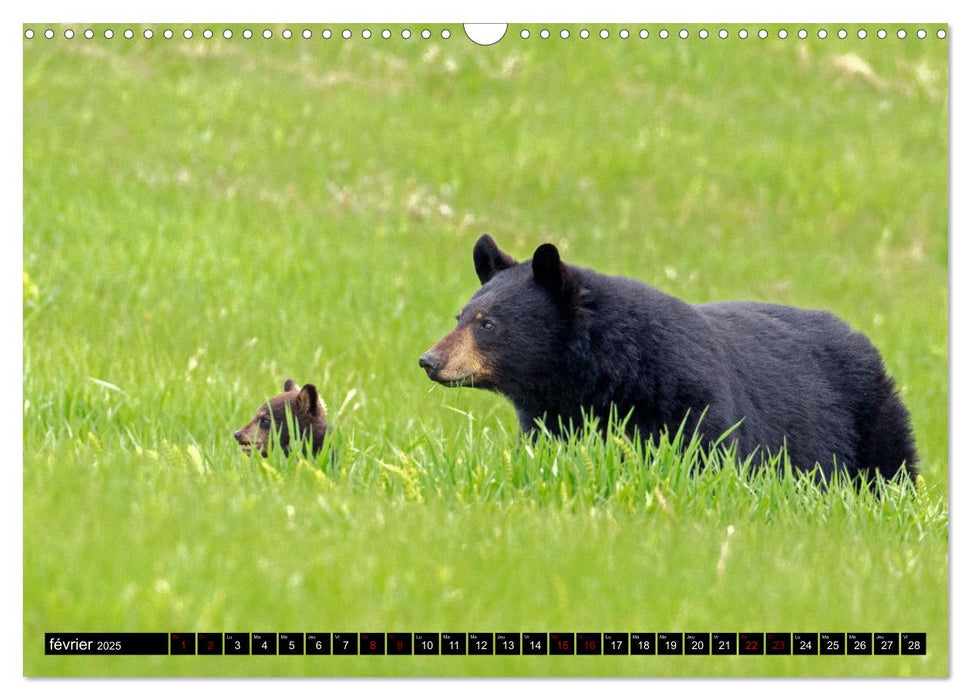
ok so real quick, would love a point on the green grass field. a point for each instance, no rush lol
(205, 218)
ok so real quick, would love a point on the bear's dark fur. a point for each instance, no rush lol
(560, 341)
(308, 412)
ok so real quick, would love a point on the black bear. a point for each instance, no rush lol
(562, 342)
(308, 413)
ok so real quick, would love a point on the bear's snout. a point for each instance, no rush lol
(455, 360)
(243, 439)
(430, 363)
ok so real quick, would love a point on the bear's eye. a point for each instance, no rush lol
(487, 325)
(264, 421)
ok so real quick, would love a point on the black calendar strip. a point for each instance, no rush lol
(489, 643)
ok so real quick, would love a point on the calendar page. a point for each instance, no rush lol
(527, 349)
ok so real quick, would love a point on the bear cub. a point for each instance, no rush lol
(308, 413)
(563, 342)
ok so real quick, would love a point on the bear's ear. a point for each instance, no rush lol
(489, 259)
(551, 274)
(289, 385)
(308, 402)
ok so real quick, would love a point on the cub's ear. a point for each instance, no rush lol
(290, 385)
(308, 402)
(551, 274)
(489, 259)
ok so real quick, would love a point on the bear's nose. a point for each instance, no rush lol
(430, 363)
(239, 437)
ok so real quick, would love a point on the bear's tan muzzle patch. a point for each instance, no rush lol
(252, 438)
(461, 362)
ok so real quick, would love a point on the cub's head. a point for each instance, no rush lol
(511, 332)
(308, 414)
